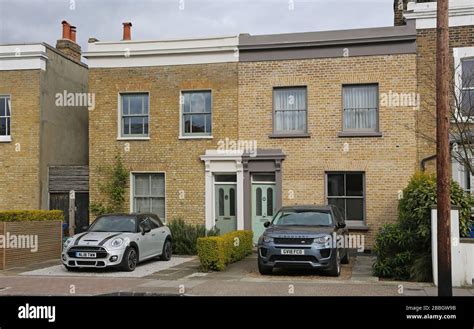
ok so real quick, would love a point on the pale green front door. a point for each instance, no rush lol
(263, 207)
(226, 204)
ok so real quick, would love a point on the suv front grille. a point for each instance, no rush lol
(293, 241)
(100, 252)
(293, 258)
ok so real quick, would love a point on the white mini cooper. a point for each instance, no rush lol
(119, 240)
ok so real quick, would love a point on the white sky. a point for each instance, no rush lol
(23, 21)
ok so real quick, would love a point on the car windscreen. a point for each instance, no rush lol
(303, 218)
(114, 224)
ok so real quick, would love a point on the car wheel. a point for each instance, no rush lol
(335, 269)
(345, 259)
(264, 269)
(130, 259)
(167, 250)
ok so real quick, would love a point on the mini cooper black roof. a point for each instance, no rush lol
(309, 207)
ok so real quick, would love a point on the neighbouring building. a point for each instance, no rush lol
(422, 14)
(43, 131)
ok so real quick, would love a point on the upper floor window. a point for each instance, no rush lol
(290, 110)
(134, 115)
(467, 88)
(360, 104)
(5, 118)
(196, 113)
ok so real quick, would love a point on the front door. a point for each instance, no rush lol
(225, 199)
(263, 207)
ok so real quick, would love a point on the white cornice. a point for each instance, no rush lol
(23, 57)
(461, 13)
(162, 52)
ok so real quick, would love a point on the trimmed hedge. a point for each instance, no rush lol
(30, 215)
(216, 252)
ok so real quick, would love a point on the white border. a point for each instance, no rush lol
(461, 13)
(23, 57)
(459, 54)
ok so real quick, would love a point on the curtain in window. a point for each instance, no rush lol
(360, 107)
(290, 109)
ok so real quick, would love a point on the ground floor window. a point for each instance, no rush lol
(346, 191)
(149, 193)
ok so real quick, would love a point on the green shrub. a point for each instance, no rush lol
(404, 249)
(216, 252)
(30, 215)
(185, 236)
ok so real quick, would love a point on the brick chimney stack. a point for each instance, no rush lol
(127, 31)
(67, 44)
(399, 7)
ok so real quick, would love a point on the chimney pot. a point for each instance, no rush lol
(73, 34)
(127, 33)
(66, 30)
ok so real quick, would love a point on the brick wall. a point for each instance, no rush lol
(164, 152)
(388, 161)
(19, 160)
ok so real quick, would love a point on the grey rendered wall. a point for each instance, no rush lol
(64, 130)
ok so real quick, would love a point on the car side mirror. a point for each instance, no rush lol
(145, 229)
(341, 225)
(266, 224)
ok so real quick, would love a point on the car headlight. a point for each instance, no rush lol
(322, 240)
(116, 243)
(267, 239)
(67, 243)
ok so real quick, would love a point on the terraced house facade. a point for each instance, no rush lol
(308, 116)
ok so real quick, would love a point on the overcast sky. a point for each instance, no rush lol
(23, 21)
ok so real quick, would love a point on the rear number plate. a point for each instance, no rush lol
(292, 251)
(80, 254)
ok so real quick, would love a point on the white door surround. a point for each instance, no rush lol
(218, 162)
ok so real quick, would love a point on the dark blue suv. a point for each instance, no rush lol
(304, 237)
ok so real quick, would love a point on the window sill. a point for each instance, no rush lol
(306, 135)
(5, 139)
(195, 137)
(359, 134)
(133, 138)
(357, 227)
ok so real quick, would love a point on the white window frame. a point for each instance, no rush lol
(7, 138)
(461, 54)
(132, 190)
(120, 135)
(182, 135)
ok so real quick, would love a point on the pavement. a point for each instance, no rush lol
(184, 277)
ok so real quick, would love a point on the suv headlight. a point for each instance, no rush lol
(267, 239)
(116, 243)
(323, 240)
(67, 243)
